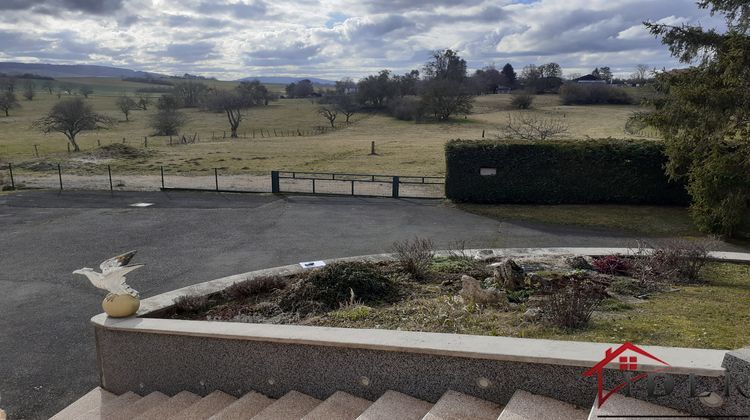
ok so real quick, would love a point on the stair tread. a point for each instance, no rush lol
(618, 404)
(94, 398)
(175, 404)
(205, 407)
(339, 406)
(244, 408)
(292, 406)
(141, 406)
(392, 405)
(527, 406)
(111, 407)
(457, 406)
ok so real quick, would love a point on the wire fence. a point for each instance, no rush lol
(60, 177)
(39, 150)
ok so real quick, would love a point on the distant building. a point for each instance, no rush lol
(589, 78)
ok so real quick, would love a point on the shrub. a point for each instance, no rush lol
(560, 172)
(593, 94)
(612, 264)
(522, 100)
(191, 303)
(335, 283)
(243, 289)
(415, 256)
(406, 109)
(571, 305)
(675, 260)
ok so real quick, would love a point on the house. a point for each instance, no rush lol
(590, 78)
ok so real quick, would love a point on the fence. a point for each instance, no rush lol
(165, 178)
(357, 184)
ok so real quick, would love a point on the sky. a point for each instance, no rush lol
(332, 39)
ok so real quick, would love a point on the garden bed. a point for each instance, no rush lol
(641, 298)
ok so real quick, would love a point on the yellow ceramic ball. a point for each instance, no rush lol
(120, 305)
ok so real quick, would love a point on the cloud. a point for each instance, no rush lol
(56, 6)
(337, 38)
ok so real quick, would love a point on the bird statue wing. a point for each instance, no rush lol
(114, 279)
(116, 262)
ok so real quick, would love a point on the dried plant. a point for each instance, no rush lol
(527, 127)
(415, 256)
(243, 289)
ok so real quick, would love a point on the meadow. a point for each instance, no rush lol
(402, 148)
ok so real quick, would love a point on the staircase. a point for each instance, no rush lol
(99, 404)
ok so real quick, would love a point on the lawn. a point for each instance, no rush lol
(643, 220)
(403, 148)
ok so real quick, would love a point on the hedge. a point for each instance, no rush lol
(560, 172)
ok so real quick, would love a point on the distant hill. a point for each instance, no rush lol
(72, 70)
(281, 80)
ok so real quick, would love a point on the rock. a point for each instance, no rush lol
(532, 314)
(484, 254)
(472, 291)
(509, 275)
(578, 263)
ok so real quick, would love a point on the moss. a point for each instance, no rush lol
(354, 314)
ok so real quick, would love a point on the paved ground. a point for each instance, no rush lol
(46, 343)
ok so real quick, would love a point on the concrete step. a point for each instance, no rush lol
(245, 408)
(111, 407)
(619, 404)
(141, 406)
(173, 405)
(527, 406)
(205, 407)
(457, 406)
(395, 405)
(292, 406)
(95, 398)
(339, 406)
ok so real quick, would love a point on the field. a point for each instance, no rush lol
(403, 148)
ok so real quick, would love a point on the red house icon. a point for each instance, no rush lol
(627, 363)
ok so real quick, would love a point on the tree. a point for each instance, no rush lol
(70, 117)
(446, 91)
(8, 101)
(510, 74)
(304, 89)
(231, 103)
(126, 104)
(10, 84)
(606, 74)
(376, 90)
(168, 119)
(345, 104)
(704, 117)
(85, 91)
(254, 92)
(29, 90)
(488, 80)
(641, 70)
(190, 93)
(49, 86)
(330, 113)
(550, 70)
(143, 101)
(345, 86)
(408, 84)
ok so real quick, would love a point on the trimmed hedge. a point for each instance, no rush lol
(560, 172)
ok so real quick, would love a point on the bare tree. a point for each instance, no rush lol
(29, 90)
(85, 91)
(49, 86)
(347, 105)
(531, 128)
(70, 117)
(143, 101)
(641, 70)
(232, 103)
(126, 104)
(8, 101)
(330, 113)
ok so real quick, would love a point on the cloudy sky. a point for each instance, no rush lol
(336, 38)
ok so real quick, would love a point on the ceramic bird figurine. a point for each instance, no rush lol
(112, 277)
(122, 300)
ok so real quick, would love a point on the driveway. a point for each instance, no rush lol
(46, 343)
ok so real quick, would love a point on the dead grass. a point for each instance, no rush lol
(403, 148)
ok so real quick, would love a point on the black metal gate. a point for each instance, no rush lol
(363, 185)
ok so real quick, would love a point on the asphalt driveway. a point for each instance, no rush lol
(46, 342)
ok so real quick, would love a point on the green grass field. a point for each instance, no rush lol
(402, 147)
